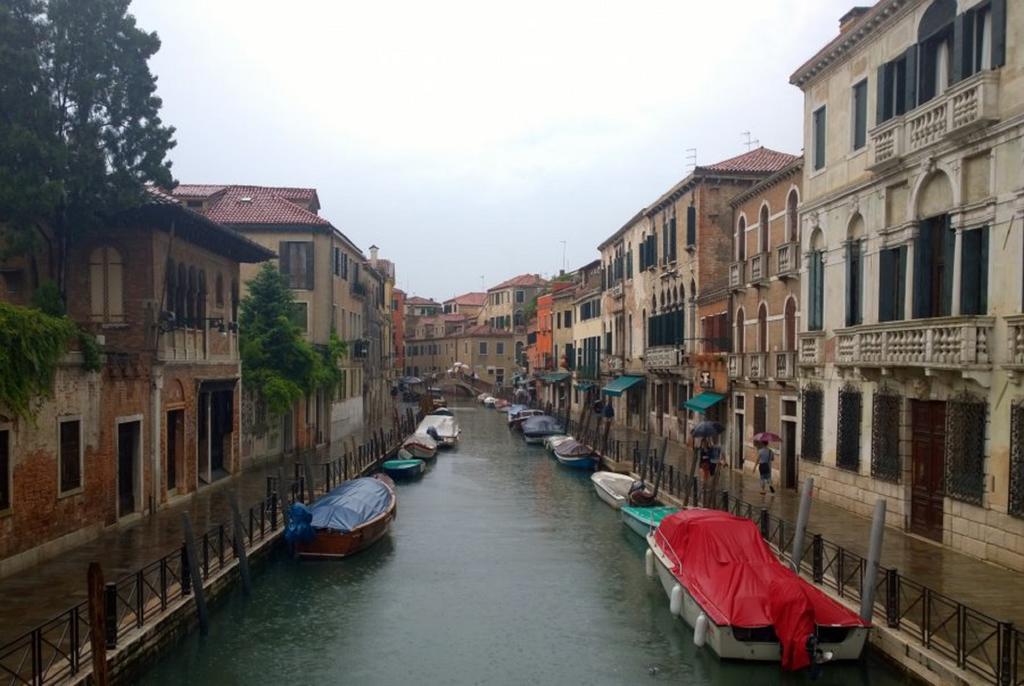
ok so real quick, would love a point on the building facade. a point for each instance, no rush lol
(910, 344)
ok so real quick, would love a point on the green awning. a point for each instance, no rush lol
(701, 403)
(584, 386)
(555, 377)
(618, 386)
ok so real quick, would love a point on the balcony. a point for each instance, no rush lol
(735, 364)
(616, 290)
(785, 365)
(759, 268)
(736, 274)
(194, 344)
(943, 343)
(787, 260)
(757, 366)
(611, 365)
(1015, 345)
(812, 349)
(968, 105)
(665, 358)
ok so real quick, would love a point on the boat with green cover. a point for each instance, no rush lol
(644, 520)
(403, 469)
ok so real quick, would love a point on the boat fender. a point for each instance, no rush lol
(649, 563)
(700, 630)
(675, 600)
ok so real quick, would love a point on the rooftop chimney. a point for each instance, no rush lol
(850, 18)
(373, 256)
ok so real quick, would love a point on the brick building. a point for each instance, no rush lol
(159, 289)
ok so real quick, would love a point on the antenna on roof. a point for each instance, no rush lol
(750, 142)
(563, 257)
(691, 159)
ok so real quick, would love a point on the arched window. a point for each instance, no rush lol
(762, 328)
(855, 271)
(791, 216)
(219, 290)
(741, 240)
(106, 281)
(790, 325)
(739, 342)
(816, 283)
(763, 226)
(935, 49)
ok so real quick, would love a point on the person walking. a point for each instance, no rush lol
(765, 456)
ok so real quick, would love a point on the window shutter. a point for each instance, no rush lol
(886, 287)
(922, 276)
(910, 90)
(691, 225)
(850, 299)
(284, 259)
(961, 48)
(969, 273)
(654, 248)
(901, 283)
(881, 95)
(983, 270)
(998, 19)
(664, 243)
(948, 248)
(308, 248)
(672, 238)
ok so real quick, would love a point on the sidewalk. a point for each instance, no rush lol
(983, 586)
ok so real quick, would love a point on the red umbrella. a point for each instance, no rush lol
(767, 437)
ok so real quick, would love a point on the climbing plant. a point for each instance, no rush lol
(32, 344)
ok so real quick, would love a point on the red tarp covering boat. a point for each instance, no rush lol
(731, 572)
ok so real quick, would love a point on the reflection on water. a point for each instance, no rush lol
(502, 568)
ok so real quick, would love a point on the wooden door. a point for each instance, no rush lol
(127, 450)
(789, 454)
(928, 427)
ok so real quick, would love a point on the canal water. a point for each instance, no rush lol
(502, 568)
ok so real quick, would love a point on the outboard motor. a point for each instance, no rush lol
(432, 432)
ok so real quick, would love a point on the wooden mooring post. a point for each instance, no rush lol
(197, 580)
(97, 624)
(238, 542)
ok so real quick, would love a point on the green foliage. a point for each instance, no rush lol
(32, 344)
(91, 361)
(530, 311)
(277, 361)
(80, 128)
(47, 299)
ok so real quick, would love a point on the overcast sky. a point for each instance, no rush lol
(470, 139)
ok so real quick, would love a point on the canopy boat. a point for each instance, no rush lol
(350, 518)
(437, 398)
(536, 429)
(442, 428)
(516, 421)
(404, 469)
(421, 446)
(577, 455)
(612, 488)
(644, 520)
(724, 581)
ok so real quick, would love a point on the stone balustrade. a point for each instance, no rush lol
(757, 367)
(941, 343)
(664, 358)
(736, 274)
(1015, 343)
(611, 364)
(811, 352)
(785, 367)
(759, 267)
(787, 261)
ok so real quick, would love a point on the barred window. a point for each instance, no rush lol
(1017, 459)
(848, 431)
(813, 402)
(885, 436)
(965, 449)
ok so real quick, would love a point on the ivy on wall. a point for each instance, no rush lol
(32, 344)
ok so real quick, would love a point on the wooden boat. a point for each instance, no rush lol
(490, 401)
(350, 518)
(442, 412)
(577, 455)
(536, 429)
(516, 421)
(442, 428)
(421, 446)
(404, 469)
(725, 582)
(551, 441)
(501, 404)
(644, 520)
(612, 488)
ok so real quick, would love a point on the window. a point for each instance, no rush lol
(935, 49)
(885, 436)
(792, 222)
(483, 348)
(977, 35)
(816, 290)
(296, 263)
(848, 431)
(106, 274)
(567, 318)
(300, 315)
(763, 227)
(896, 86)
(520, 296)
(760, 414)
(741, 240)
(789, 326)
(69, 454)
(819, 138)
(5, 469)
(854, 283)
(810, 422)
(974, 271)
(1016, 501)
(740, 337)
(499, 348)
(933, 268)
(762, 329)
(170, 287)
(219, 290)
(892, 284)
(860, 114)
(965, 449)
(691, 226)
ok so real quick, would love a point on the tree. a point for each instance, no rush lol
(80, 127)
(277, 361)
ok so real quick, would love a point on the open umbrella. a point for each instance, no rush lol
(767, 437)
(706, 429)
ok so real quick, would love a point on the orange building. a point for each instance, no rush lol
(542, 352)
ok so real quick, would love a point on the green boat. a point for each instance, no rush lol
(643, 520)
(403, 469)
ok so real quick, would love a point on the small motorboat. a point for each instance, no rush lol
(514, 409)
(724, 581)
(421, 446)
(442, 412)
(437, 399)
(501, 404)
(516, 421)
(577, 455)
(612, 488)
(551, 441)
(536, 429)
(442, 428)
(483, 396)
(404, 469)
(644, 520)
(348, 519)
(490, 401)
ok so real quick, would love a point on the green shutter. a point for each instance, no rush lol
(691, 225)
(850, 285)
(881, 95)
(922, 273)
(886, 287)
(309, 265)
(284, 260)
(948, 251)
(962, 63)
(901, 283)
(910, 90)
(998, 19)
(672, 238)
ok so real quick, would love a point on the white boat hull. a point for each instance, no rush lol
(638, 527)
(605, 485)
(721, 639)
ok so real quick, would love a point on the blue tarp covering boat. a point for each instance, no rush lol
(351, 504)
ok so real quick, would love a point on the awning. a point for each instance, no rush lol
(555, 377)
(618, 386)
(584, 386)
(701, 403)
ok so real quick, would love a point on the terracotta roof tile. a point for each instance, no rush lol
(419, 300)
(760, 159)
(521, 280)
(255, 204)
(469, 299)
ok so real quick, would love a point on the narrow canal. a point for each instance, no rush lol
(502, 568)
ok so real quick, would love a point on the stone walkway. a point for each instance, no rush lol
(983, 586)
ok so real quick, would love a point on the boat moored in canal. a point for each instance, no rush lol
(644, 520)
(576, 455)
(443, 429)
(612, 488)
(350, 518)
(421, 446)
(536, 429)
(404, 469)
(515, 421)
(724, 581)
